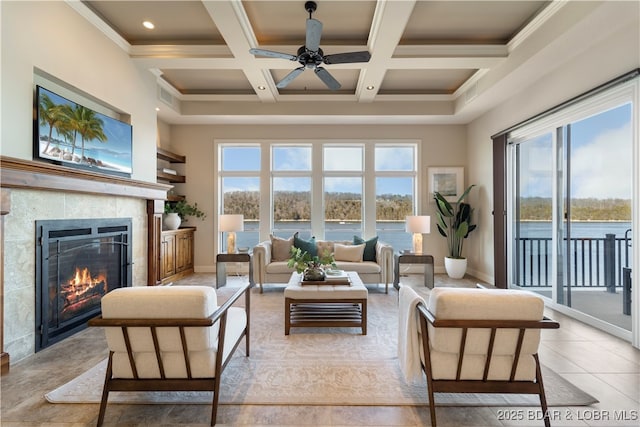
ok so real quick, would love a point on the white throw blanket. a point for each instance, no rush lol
(408, 343)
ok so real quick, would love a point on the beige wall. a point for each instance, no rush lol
(608, 57)
(53, 38)
(439, 146)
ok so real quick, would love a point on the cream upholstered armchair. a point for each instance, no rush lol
(475, 341)
(170, 338)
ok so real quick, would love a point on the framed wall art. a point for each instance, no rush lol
(448, 181)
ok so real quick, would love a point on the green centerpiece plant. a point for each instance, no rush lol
(312, 267)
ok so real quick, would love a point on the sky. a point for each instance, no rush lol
(601, 158)
(601, 162)
(335, 159)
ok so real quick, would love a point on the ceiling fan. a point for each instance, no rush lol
(311, 56)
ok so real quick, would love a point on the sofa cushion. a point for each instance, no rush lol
(351, 253)
(308, 246)
(490, 304)
(366, 267)
(324, 246)
(163, 302)
(369, 248)
(278, 267)
(280, 248)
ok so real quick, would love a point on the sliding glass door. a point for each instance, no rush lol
(597, 190)
(570, 217)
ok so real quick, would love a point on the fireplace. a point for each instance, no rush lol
(77, 262)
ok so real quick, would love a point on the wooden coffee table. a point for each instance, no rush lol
(325, 305)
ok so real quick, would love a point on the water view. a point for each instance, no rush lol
(393, 232)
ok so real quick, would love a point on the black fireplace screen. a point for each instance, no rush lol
(77, 262)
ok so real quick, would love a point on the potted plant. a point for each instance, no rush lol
(176, 212)
(454, 223)
(312, 267)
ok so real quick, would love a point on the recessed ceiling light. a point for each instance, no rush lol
(261, 88)
(148, 25)
(370, 87)
(157, 108)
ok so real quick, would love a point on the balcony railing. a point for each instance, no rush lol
(595, 262)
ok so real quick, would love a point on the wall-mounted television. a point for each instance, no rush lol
(69, 134)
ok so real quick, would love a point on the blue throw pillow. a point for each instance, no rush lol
(308, 246)
(369, 247)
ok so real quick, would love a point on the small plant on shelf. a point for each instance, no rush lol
(184, 210)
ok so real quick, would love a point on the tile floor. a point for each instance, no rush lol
(602, 365)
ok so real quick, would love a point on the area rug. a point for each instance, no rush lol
(324, 366)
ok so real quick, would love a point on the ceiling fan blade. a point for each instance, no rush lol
(314, 32)
(347, 58)
(327, 78)
(272, 54)
(289, 77)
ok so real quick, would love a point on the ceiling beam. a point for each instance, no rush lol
(231, 20)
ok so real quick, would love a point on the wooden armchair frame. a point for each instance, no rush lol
(485, 385)
(174, 384)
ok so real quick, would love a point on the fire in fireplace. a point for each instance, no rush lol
(77, 262)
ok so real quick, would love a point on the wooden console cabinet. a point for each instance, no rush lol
(176, 254)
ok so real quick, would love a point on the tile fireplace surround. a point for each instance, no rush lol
(35, 191)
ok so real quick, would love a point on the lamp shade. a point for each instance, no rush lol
(418, 224)
(231, 223)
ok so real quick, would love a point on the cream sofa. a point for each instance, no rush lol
(372, 272)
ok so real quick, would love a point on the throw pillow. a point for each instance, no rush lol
(308, 246)
(280, 248)
(350, 253)
(369, 248)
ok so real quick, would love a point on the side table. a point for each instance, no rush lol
(221, 266)
(404, 258)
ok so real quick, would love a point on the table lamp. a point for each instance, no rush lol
(418, 225)
(231, 224)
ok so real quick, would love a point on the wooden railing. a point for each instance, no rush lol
(595, 262)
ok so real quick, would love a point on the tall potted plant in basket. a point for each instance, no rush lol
(454, 223)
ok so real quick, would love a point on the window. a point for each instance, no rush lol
(332, 190)
(571, 193)
(395, 170)
(343, 201)
(291, 190)
(240, 190)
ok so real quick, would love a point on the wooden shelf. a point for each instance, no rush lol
(180, 179)
(175, 197)
(168, 156)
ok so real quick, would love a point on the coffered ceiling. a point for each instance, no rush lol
(427, 57)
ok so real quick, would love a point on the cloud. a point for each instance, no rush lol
(343, 158)
(291, 184)
(240, 184)
(394, 159)
(603, 168)
(292, 158)
(343, 185)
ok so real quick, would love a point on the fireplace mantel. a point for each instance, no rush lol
(19, 173)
